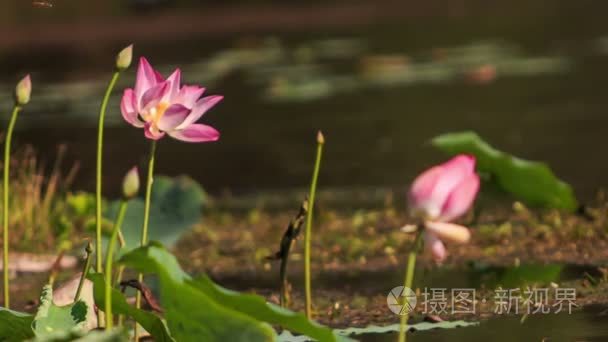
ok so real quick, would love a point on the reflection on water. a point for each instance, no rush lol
(378, 92)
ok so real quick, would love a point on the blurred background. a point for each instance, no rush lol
(380, 79)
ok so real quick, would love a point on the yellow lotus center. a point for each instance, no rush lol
(156, 113)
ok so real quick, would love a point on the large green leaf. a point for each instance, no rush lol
(149, 321)
(52, 320)
(257, 307)
(175, 207)
(154, 258)
(15, 326)
(529, 181)
(191, 314)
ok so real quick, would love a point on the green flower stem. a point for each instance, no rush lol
(144, 231)
(121, 270)
(409, 278)
(119, 273)
(307, 236)
(85, 270)
(109, 261)
(5, 192)
(98, 199)
(149, 181)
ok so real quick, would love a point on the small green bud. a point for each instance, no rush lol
(124, 57)
(88, 248)
(130, 184)
(23, 91)
(320, 138)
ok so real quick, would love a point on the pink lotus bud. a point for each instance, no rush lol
(23, 91)
(446, 191)
(124, 57)
(130, 184)
(449, 232)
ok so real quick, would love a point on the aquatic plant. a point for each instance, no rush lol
(85, 270)
(22, 97)
(308, 231)
(437, 196)
(123, 61)
(162, 106)
(290, 235)
(532, 182)
(130, 187)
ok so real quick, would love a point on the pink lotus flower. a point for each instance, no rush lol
(163, 106)
(442, 194)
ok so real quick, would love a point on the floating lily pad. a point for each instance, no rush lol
(287, 336)
(529, 181)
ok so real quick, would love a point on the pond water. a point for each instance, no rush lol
(378, 84)
(371, 282)
(586, 324)
(589, 324)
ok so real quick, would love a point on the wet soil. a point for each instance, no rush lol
(359, 256)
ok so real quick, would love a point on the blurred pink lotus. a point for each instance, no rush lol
(163, 106)
(442, 194)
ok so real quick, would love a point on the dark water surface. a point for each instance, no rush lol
(582, 324)
(589, 324)
(529, 79)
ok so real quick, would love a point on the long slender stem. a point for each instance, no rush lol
(119, 273)
(5, 192)
(98, 185)
(307, 236)
(109, 261)
(149, 181)
(85, 271)
(409, 278)
(121, 269)
(144, 231)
